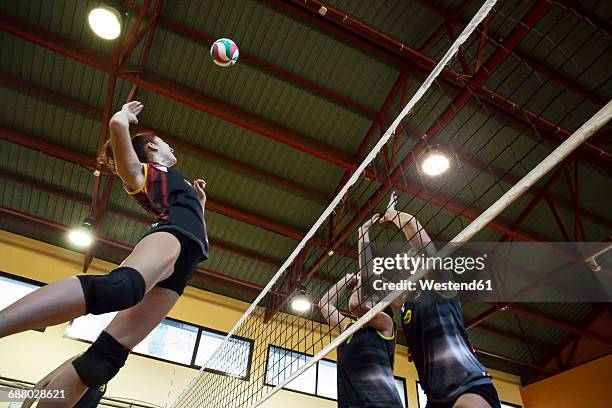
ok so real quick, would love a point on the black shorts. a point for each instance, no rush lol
(486, 391)
(186, 264)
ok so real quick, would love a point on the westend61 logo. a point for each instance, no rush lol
(411, 264)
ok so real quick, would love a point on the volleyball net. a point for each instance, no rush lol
(500, 123)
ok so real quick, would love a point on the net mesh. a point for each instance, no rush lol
(491, 112)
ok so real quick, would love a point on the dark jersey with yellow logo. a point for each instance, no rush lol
(173, 202)
(365, 371)
(91, 398)
(439, 346)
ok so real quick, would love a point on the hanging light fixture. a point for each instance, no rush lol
(106, 21)
(435, 163)
(301, 303)
(82, 236)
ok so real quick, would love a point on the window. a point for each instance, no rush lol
(240, 349)
(11, 290)
(282, 363)
(14, 288)
(88, 327)
(327, 385)
(171, 341)
(175, 342)
(400, 383)
(422, 398)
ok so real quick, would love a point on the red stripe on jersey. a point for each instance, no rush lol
(164, 195)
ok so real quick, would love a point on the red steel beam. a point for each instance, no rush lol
(513, 337)
(461, 52)
(242, 119)
(554, 353)
(558, 219)
(46, 93)
(560, 79)
(578, 230)
(212, 205)
(47, 148)
(439, 32)
(535, 201)
(482, 41)
(98, 211)
(524, 311)
(364, 35)
(149, 31)
(514, 361)
(536, 316)
(200, 151)
(106, 114)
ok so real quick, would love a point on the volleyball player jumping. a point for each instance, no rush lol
(449, 372)
(365, 360)
(149, 281)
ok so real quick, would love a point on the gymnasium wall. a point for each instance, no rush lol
(585, 386)
(29, 356)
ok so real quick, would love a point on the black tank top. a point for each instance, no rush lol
(365, 371)
(173, 202)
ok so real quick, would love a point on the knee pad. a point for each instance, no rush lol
(120, 289)
(101, 362)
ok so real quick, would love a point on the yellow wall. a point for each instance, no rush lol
(585, 386)
(29, 356)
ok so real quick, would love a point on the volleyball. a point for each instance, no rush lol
(224, 52)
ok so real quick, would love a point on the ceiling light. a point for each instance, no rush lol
(435, 163)
(300, 302)
(82, 235)
(105, 21)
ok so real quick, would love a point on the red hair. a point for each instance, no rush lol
(139, 143)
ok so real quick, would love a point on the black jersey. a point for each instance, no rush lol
(91, 398)
(439, 346)
(173, 202)
(365, 371)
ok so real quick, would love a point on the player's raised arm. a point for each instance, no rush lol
(329, 301)
(126, 163)
(413, 230)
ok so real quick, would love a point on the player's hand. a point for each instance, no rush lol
(366, 226)
(351, 279)
(131, 110)
(390, 212)
(200, 187)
